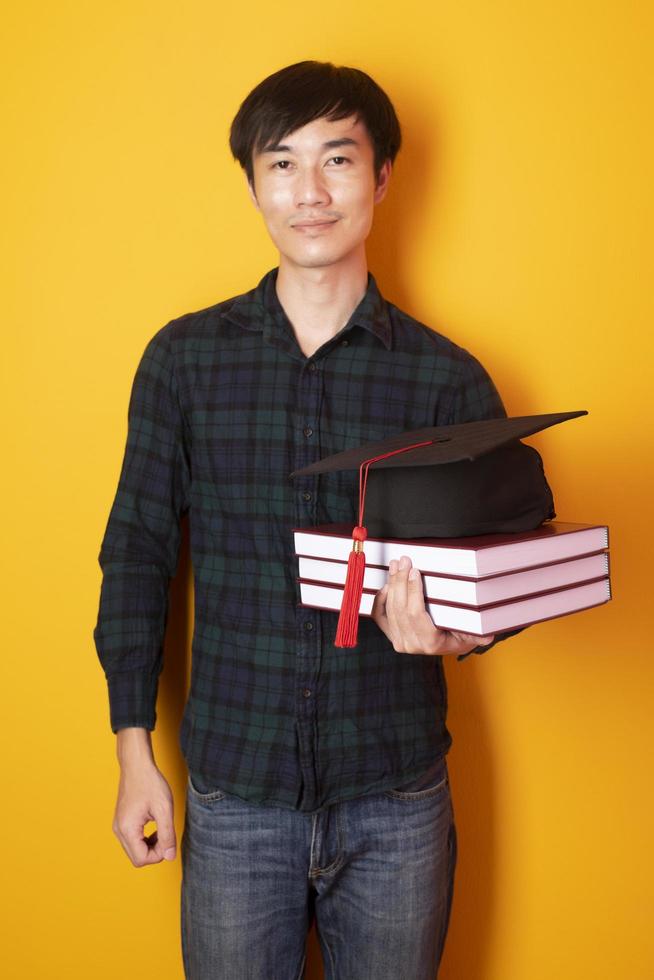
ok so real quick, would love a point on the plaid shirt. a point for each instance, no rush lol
(224, 405)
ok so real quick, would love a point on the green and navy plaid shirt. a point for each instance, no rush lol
(224, 405)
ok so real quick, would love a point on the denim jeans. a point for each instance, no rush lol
(376, 872)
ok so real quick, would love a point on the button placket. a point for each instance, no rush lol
(307, 450)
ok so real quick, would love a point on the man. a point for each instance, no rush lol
(318, 782)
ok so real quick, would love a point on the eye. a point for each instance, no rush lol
(344, 159)
(281, 164)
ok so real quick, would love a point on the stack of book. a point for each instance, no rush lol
(479, 585)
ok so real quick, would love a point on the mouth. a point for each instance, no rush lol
(302, 225)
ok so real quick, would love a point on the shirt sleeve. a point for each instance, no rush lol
(140, 547)
(477, 398)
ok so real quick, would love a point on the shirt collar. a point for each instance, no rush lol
(260, 309)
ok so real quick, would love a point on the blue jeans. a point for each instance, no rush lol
(376, 872)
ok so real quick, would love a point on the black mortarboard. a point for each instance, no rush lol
(486, 482)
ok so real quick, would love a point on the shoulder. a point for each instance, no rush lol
(473, 392)
(185, 338)
(411, 335)
(220, 317)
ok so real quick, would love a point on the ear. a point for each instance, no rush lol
(251, 192)
(383, 181)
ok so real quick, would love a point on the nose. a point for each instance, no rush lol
(310, 188)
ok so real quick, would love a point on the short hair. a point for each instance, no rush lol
(308, 90)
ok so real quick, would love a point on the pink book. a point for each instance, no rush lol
(466, 591)
(495, 618)
(472, 557)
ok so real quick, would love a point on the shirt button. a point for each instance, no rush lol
(308, 625)
(306, 495)
(308, 431)
(345, 342)
(306, 692)
(312, 366)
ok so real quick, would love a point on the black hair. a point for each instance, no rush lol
(308, 90)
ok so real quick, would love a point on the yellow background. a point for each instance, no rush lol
(517, 224)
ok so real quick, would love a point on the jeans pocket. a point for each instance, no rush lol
(430, 783)
(209, 796)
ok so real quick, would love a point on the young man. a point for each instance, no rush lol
(318, 781)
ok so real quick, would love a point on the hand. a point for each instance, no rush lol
(399, 611)
(143, 795)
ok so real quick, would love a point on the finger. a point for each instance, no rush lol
(135, 844)
(426, 635)
(398, 613)
(415, 594)
(165, 844)
(418, 623)
(389, 610)
(397, 591)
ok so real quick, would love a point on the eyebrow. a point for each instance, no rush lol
(329, 145)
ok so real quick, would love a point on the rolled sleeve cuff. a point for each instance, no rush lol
(498, 639)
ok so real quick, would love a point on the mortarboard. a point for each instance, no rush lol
(442, 481)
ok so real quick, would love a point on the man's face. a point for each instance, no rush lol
(316, 191)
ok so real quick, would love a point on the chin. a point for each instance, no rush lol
(318, 260)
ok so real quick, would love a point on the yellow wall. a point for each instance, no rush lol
(516, 225)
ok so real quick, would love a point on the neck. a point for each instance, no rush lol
(319, 301)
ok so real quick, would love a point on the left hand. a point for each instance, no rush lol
(399, 611)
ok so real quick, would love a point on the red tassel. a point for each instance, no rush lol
(348, 620)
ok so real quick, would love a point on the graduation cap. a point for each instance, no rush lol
(442, 481)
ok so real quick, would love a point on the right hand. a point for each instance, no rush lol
(143, 795)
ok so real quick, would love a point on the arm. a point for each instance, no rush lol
(138, 557)
(140, 548)
(478, 398)
(399, 606)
